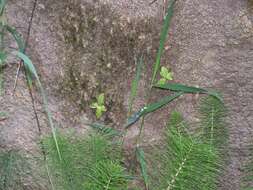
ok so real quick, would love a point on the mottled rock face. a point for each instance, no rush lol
(82, 48)
(102, 47)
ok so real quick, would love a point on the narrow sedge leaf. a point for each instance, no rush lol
(105, 129)
(187, 89)
(135, 84)
(30, 67)
(151, 108)
(2, 6)
(17, 37)
(163, 37)
(141, 159)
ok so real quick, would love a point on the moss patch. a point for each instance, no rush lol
(101, 48)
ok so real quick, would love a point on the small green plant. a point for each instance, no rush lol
(91, 162)
(30, 71)
(13, 168)
(99, 105)
(178, 90)
(166, 75)
(184, 161)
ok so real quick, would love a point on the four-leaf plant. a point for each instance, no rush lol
(99, 105)
(166, 75)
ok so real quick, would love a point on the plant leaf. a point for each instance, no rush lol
(17, 37)
(28, 64)
(101, 99)
(135, 83)
(105, 129)
(3, 57)
(163, 37)
(151, 108)
(141, 159)
(187, 89)
(99, 111)
(94, 105)
(30, 67)
(162, 81)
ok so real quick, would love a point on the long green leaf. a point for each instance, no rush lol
(17, 37)
(163, 37)
(151, 108)
(141, 159)
(104, 129)
(30, 67)
(2, 7)
(135, 83)
(187, 89)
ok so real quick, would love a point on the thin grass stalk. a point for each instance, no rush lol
(163, 37)
(156, 67)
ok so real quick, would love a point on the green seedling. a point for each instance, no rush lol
(99, 105)
(166, 75)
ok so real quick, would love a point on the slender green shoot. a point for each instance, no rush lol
(163, 37)
(33, 74)
(135, 83)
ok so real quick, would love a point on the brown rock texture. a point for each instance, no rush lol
(84, 47)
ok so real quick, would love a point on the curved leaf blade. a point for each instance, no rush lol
(151, 108)
(187, 89)
(140, 155)
(163, 37)
(17, 37)
(31, 69)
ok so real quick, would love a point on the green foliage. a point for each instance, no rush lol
(31, 72)
(212, 119)
(187, 89)
(142, 161)
(135, 83)
(151, 108)
(163, 37)
(166, 75)
(105, 130)
(184, 161)
(13, 167)
(99, 105)
(90, 163)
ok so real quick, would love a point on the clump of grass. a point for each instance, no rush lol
(13, 168)
(184, 161)
(92, 162)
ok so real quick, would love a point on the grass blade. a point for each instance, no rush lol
(151, 108)
(187, 89)
(105, 130)
(134, 86)
(141, 159)
(2, 7)
(163, 37)
(30, 67)
(17, 37)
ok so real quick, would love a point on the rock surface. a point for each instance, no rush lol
(83, 47)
